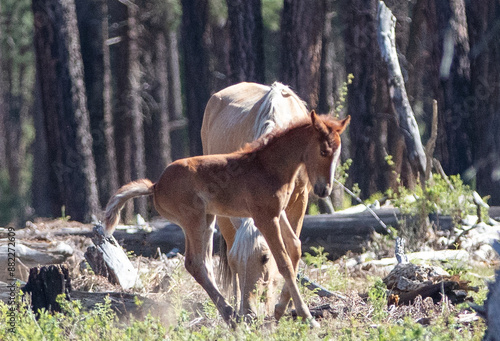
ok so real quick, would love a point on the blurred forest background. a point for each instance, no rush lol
(95, 93)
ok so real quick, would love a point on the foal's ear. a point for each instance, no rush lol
(317, 123)
(343, 124)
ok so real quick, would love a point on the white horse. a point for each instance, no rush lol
(234, 117)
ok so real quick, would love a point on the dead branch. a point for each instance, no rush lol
(407, 123)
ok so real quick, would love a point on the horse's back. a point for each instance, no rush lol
(242, 112)
(227, 122)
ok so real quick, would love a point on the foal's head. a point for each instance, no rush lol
(323, 152)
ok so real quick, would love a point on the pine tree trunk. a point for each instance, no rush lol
(3, 111)
(301, 34)
(485, 102)
(327, 89)
(42, 194)
(360, 44)
(194, 20)
(246, 52)
(174, 95)
(118, 14)
(134, 104)
(93, 36)
(156, 123)
(108, 124)
(60, 69)
(453, 144)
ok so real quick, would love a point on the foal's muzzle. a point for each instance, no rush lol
(322, 190)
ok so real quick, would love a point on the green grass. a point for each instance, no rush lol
(192, 316)
(372, 320)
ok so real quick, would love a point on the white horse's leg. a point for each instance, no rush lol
(272, 233)
(198, 262)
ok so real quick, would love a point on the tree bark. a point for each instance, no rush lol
(454, 145)
(360, 46)
(42, 194)
(194, 20)
(375, 140)
(128, 118)
(174, 95)
(93, 28)
(134, 103)
(246, 52)
(301, 35)
(156, 78)
(59, 65)
(485, 100)
(328, 89)
(3, 111)
(119, 51)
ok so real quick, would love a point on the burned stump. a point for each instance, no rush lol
(45, 283)
(108, 259)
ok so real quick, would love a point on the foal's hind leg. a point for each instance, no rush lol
(198, 262)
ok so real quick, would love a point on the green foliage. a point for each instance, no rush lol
(74, 323)
(340, 103)
(271, 14)
(218, 10)
(313, 209)
(101, 323)
(377, 296)
(408, 329)
(16, 42)
(320, 258)
(341, 173)
(18, 66)
(437, 197)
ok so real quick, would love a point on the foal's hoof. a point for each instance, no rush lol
(279, 310)
(313, 323)
(247, 318)
(230, 317)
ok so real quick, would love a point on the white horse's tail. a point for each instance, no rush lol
(115, 204)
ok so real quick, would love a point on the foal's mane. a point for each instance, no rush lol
(259, 144)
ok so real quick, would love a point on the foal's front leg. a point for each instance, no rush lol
(294, 249)
(270, 229)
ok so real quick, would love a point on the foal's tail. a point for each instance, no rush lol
(115, 204)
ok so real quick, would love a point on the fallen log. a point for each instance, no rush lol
(27, 254)
(47, 282)
(123, 304)
(337, 232)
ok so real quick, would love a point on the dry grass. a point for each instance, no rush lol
(357, 312)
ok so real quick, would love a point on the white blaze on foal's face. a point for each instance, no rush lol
(335, 159)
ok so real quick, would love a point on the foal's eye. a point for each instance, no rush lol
(324, 153)
(265, 259)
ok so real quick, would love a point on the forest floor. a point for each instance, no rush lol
(172, 304)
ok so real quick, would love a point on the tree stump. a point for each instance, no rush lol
(45, 283)
(108, 259)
